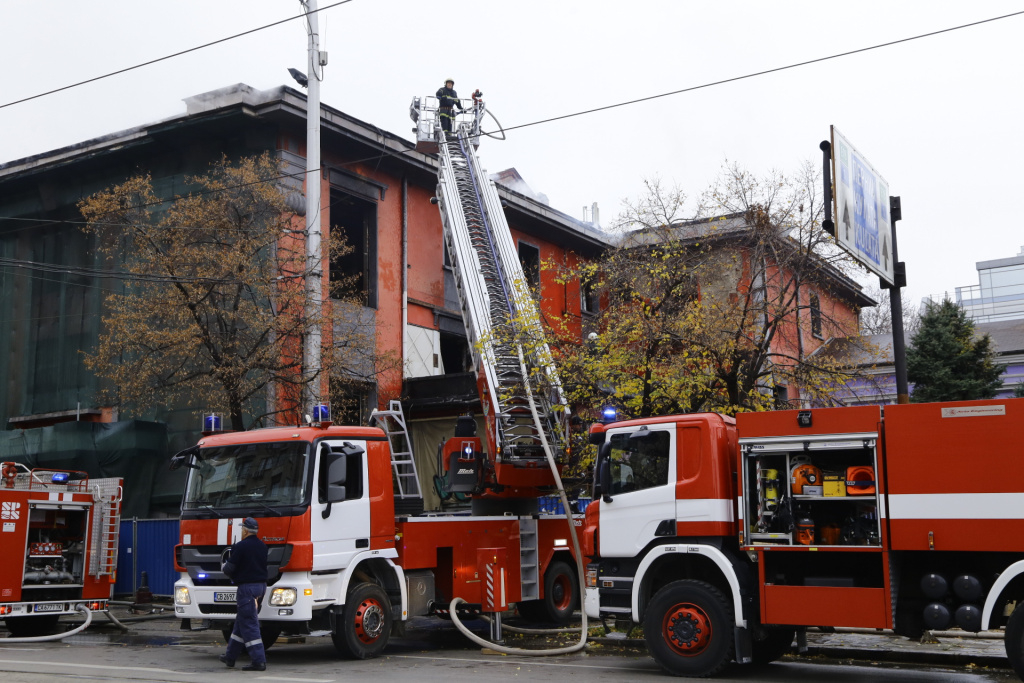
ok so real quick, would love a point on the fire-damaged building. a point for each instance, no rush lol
(372, 182)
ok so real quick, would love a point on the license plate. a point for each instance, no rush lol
(223, 597)
(50, 607)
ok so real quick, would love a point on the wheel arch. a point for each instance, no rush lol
(1008, 587)
(381, 570)
(667, 563)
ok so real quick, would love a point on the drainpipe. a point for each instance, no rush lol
(405, 264)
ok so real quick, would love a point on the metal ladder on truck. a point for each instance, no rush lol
(408, 498)
(501, 317)
(106, 526)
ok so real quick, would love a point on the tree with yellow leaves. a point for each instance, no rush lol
(210, 312)
(724, 312)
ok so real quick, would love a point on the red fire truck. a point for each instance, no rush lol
(727, 538)
(341, 562)
(59, 543)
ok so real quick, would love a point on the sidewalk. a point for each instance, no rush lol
(952, 648)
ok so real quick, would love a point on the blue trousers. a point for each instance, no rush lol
(246, 634)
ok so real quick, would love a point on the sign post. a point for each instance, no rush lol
(864, 225)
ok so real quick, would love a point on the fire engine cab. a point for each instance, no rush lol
(726, 537)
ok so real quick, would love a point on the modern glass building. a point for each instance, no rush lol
(999, 294)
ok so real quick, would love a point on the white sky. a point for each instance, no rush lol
(940, 118)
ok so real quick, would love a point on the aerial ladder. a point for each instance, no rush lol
(524, 406)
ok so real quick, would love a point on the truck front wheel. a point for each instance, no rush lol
(364, 626)
(1014, 639)
(688, 627)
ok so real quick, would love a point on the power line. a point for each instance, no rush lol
(170, 56)
(84, 271)
(764, 72)
(387, 153)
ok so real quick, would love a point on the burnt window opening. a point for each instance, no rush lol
(588, 298)
(357, 220)
(455, 355)
(529, 257)
(815, 306)
(350, 402)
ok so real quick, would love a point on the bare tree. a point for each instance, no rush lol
(878, 319)
(211, 309)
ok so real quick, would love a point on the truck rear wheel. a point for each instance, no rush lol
(365, 623)
(688, 627)
(33, 626)
(561, 597)
(1014, 639)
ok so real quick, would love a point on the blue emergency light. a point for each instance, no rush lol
(609, 413)
(60, 478)
(321, 413)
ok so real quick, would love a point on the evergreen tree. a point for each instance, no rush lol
(946, 362)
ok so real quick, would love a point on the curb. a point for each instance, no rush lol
(921, 656)
(960, 659)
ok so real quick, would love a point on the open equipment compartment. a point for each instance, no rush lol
(816, 491)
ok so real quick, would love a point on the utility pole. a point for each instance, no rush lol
(314, 266)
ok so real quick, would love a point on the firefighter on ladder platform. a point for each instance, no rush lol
(447, 100)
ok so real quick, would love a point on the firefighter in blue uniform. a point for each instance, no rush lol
(447, 100)
(246, 566)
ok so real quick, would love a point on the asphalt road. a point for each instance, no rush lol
(434, 653)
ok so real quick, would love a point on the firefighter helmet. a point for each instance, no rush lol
(449, 80)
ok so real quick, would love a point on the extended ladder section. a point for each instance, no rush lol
(106, 523)
(501, 317)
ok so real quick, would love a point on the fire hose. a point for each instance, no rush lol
(56, 636)
(575, 545)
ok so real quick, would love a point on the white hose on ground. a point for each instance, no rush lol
(534, 631)
(55, 636)
(575, 546)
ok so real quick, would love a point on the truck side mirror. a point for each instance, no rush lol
(186, 457)
(603, 485)
(333, 471)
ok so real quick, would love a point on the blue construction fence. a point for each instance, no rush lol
(146, 545)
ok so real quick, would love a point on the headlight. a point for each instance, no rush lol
(283, 597)
(181, 596)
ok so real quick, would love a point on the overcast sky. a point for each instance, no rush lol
(940, 118)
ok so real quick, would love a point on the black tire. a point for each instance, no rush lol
(33, 626)
(771, 643)
(1014, 639)
(268, 633)
(688, 627)
(365, 624)
(561, 597)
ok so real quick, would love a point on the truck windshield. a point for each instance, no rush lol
(247, 475)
